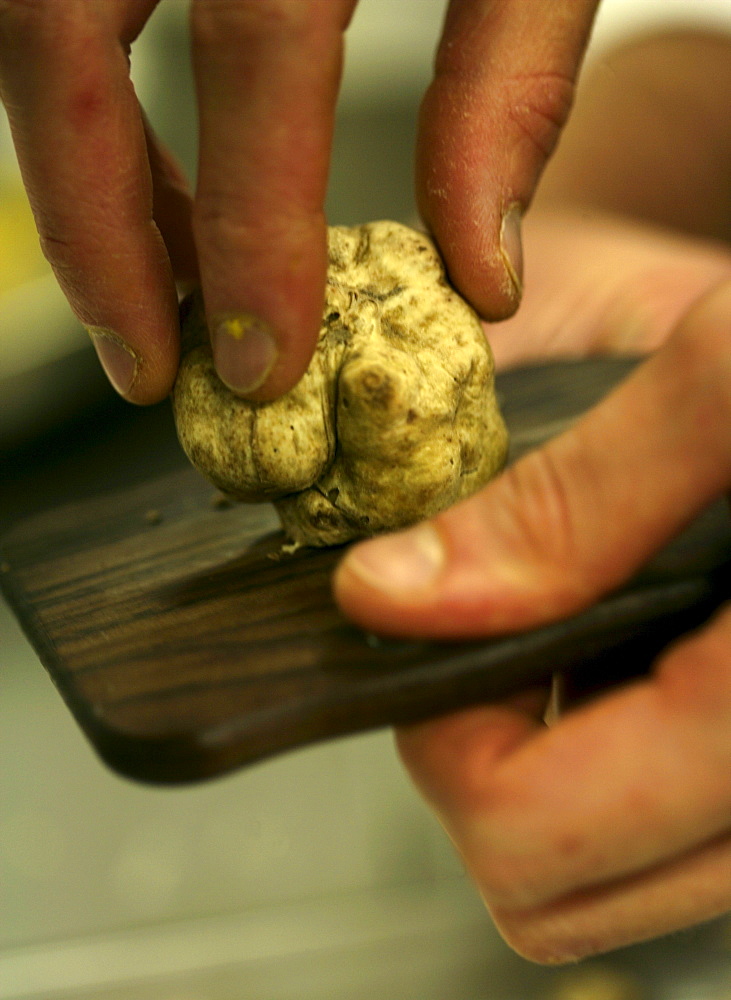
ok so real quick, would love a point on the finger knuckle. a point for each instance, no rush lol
(538, 105)
(224, 226)
(266, 230)
(72, 256)
(60, 252)
(66, 259)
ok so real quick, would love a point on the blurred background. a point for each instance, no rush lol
(316, 875)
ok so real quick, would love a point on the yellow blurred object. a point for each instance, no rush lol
(48, 368)
(21, 258)
(598, 983)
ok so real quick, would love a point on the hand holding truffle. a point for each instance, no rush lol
(119, 223)
(613, 824)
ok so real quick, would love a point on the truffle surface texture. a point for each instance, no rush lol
(394, 420)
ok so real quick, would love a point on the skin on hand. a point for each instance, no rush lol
(601, 285)
(614, 824)
(119, 225)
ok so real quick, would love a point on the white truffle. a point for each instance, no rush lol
(395, 418)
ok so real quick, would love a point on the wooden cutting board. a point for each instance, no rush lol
(187, 642)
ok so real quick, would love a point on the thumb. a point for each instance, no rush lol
(503, 86)
(572, 520)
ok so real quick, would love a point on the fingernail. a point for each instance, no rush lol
(511, 246)
(244, 351)
(400, 563)
(118, 360)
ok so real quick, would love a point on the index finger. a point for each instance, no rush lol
(80, 140)
(267, 74)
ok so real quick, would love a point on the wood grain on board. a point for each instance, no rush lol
(186, 641)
